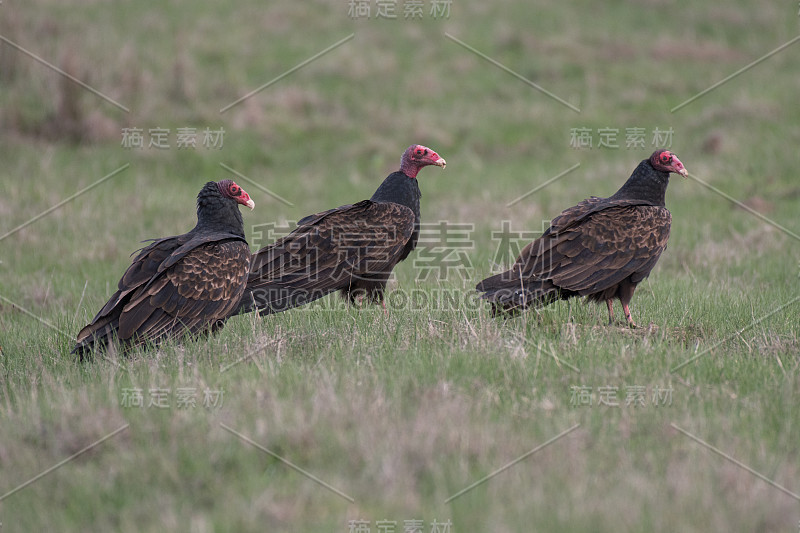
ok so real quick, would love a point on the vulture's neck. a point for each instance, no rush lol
(646, 184)
(400, 189)
(219, 215)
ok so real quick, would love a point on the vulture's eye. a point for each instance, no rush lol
(666, 157)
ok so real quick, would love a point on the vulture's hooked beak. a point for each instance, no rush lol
(250, 203)
(677, 167)
(440, 162)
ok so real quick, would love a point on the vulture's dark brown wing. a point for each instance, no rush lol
(174, 285)
(328, 251)
(586, 208)
(193, 294)
(590, 253)
(589, 248)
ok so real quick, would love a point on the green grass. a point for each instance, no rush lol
(401, 411)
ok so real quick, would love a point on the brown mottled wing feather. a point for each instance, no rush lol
(192, 295)
(328, 251)
(600, 250)
(144, 267)
(199, 289)
(588, 249)
(586, 208)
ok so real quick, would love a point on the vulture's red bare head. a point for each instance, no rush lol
(229, 189)
(666, 161)
(417, 156)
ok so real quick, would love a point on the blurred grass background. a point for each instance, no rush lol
(402, 412)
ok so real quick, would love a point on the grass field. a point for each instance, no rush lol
(329, 418)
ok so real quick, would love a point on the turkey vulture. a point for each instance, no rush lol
(190, 283)
(352, 248)
(601, 248)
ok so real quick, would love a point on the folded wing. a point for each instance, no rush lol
(352, 248)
